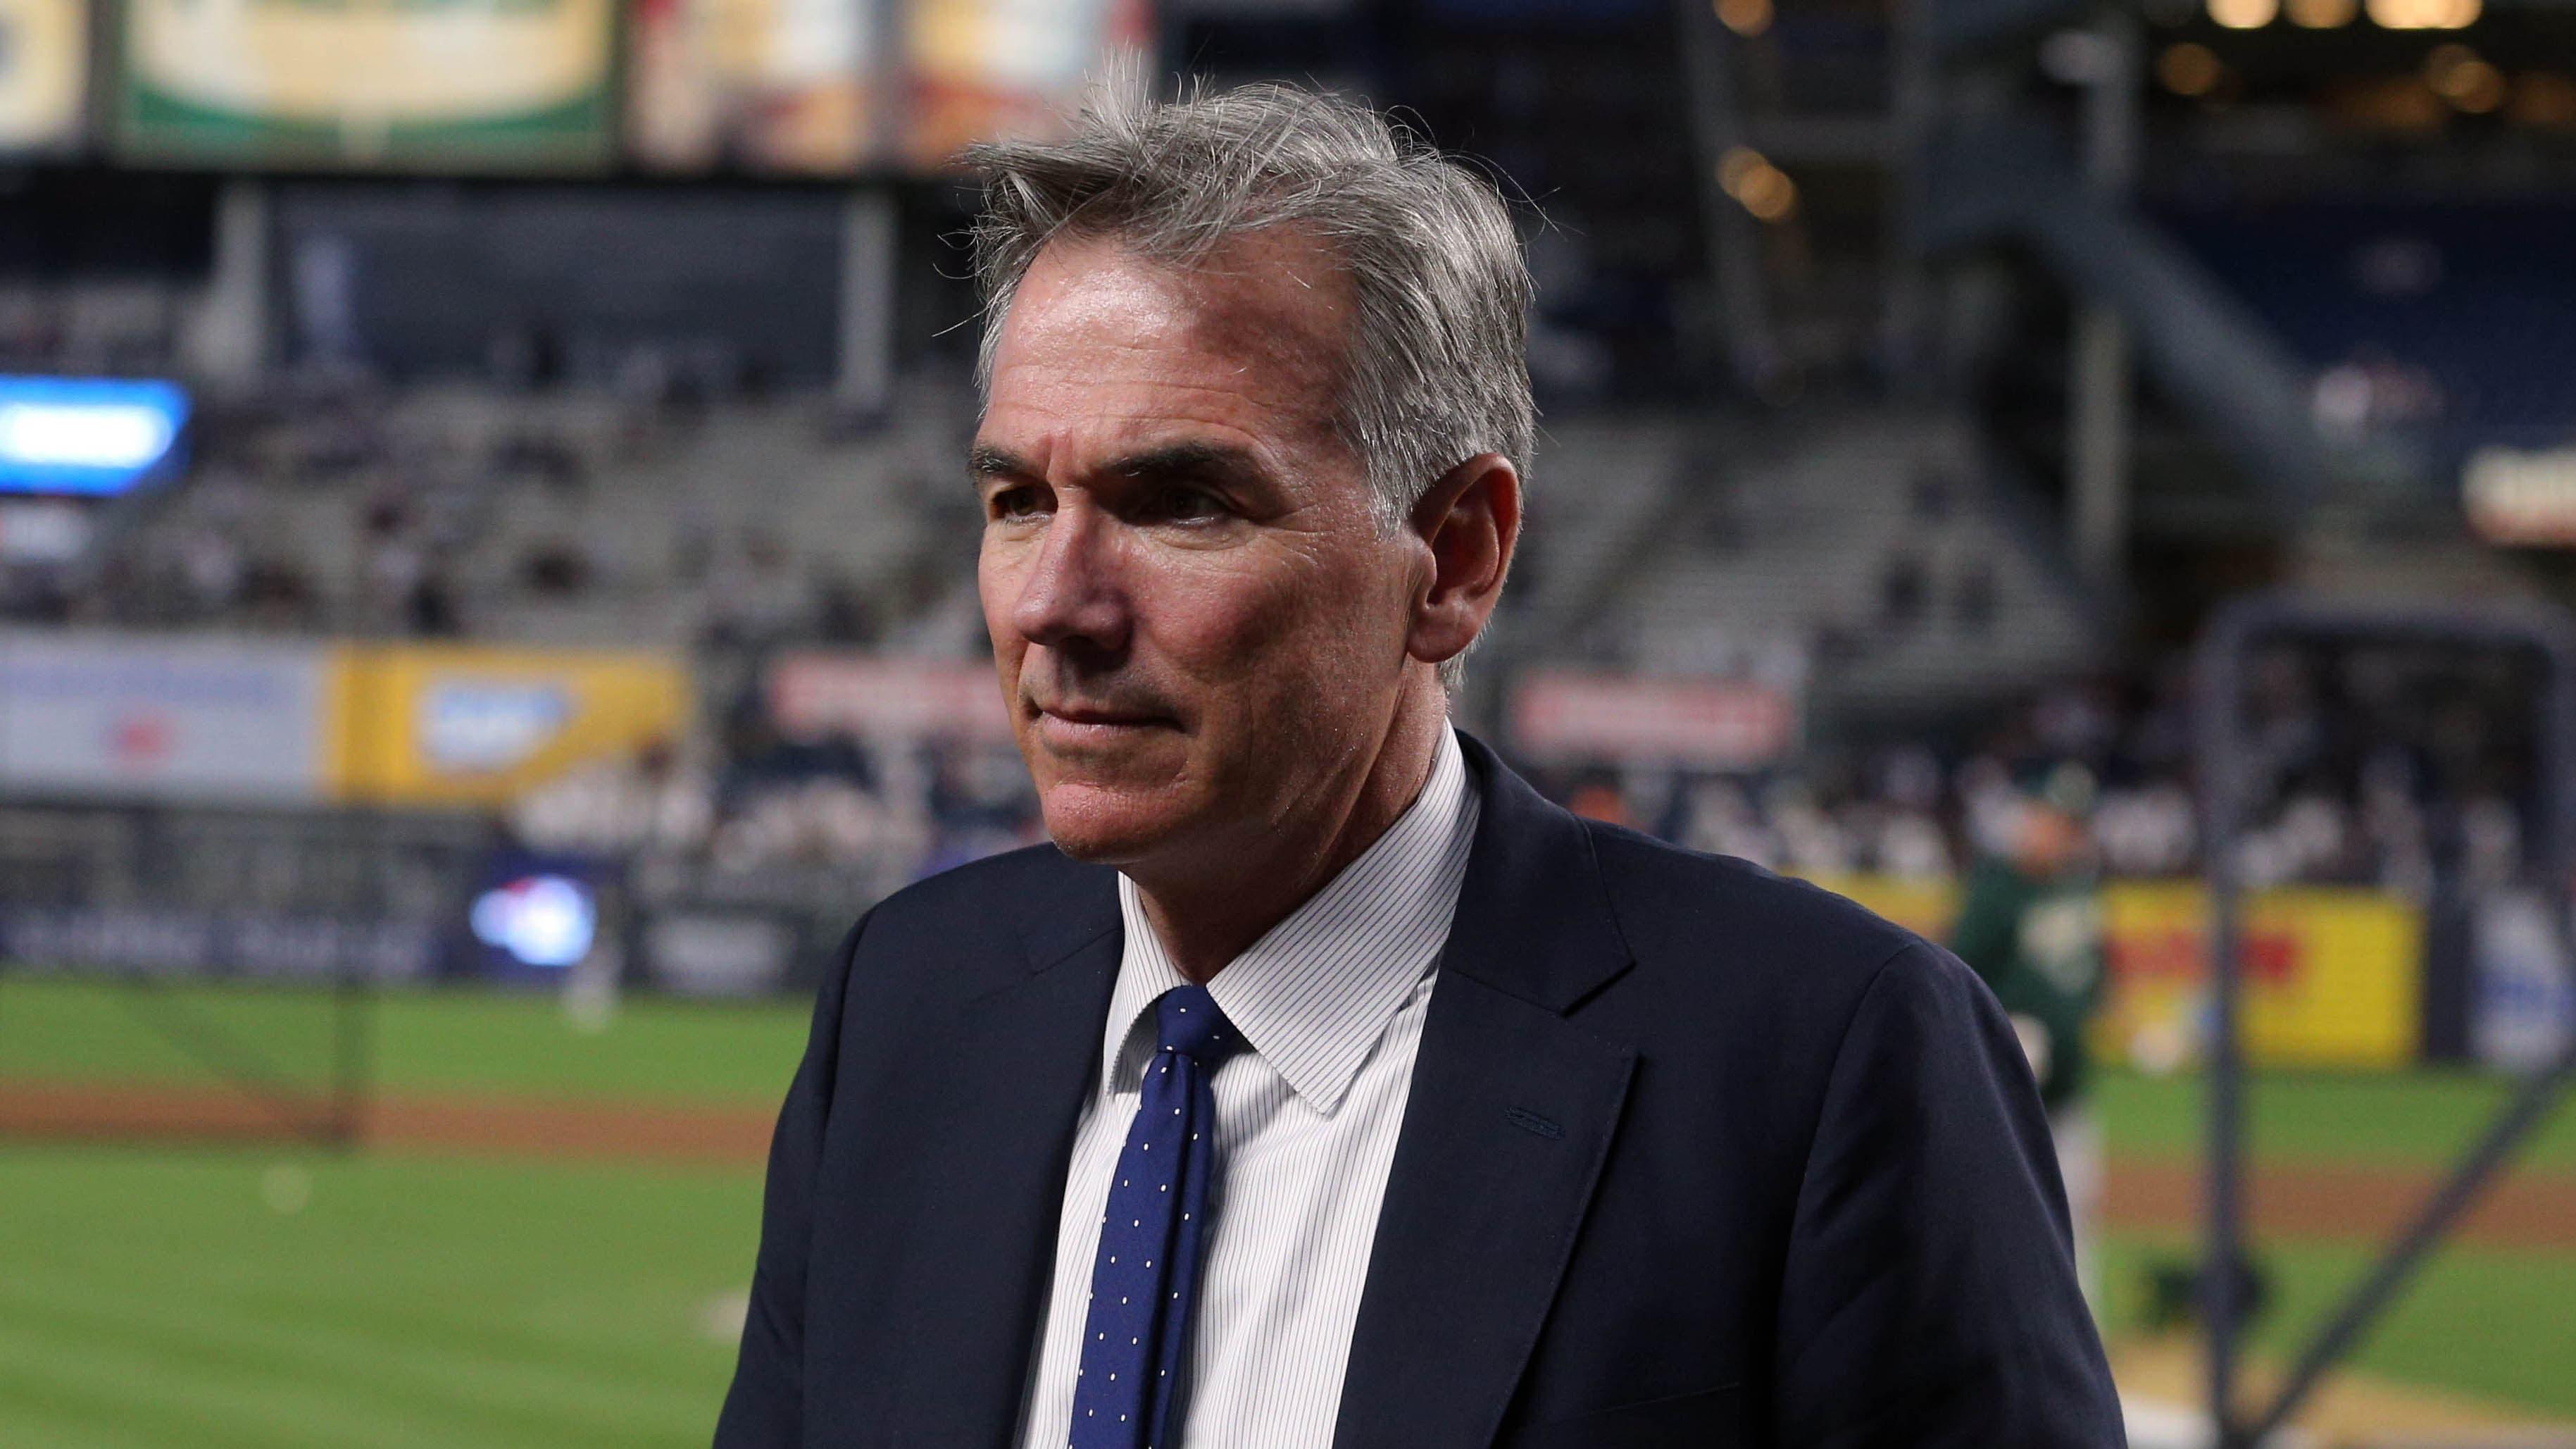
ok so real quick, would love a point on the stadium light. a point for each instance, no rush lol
(1747, 18)
(2544, 100)
(1758, 186)
(2457, 74)
(2244, 14)
(2424, 14)
(86, 435)
(2189, 69)
(2323, 14)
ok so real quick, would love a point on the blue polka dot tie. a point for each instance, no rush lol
(1144, 1280)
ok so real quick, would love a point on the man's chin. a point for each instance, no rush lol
(1104, 825)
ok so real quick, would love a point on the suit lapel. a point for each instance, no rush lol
(1511, 1115)
(990, 1180)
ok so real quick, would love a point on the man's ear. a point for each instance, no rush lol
(1471, 521)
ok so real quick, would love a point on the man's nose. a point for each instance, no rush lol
(1070, 599)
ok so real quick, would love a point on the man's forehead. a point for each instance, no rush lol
(1269, 303)
(1104, 349)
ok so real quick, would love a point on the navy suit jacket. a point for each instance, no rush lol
(1694, 1156)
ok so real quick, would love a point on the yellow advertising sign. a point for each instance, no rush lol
(1926, 906)
(2333, 975)
(462, 725)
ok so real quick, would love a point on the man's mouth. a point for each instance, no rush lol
(1079, 724)
(1086, 715)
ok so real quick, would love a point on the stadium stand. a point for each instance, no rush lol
(2450, 321)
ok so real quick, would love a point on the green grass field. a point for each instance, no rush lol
(2417, 1119)
(163, 1298)
(271, 1295)
(2479, 1321)
(423, 1041)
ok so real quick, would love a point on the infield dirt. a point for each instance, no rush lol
(2520, 1210)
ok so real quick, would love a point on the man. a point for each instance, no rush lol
(1321, 1084)
(2031, 926)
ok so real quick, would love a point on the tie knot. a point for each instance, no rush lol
(1187, 1021)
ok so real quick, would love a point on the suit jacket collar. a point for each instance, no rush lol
(1534, 920)
(993, 1096)
(1510, 1116)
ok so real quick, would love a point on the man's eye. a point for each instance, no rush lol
(1187, 505)
(1018, 503)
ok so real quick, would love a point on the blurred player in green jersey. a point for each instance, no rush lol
(2031, 925)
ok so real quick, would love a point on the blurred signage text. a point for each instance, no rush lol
(139, 717)
(159, 942)
(864, 695)
(466, 725)
(1713, 724)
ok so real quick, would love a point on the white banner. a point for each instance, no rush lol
(200, 720)
(2524, 1010)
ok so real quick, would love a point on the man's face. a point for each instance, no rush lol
(2052, 840)
(1200, 629)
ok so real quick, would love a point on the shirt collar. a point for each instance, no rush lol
(1315, 993)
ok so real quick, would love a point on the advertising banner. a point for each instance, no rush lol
(172, 719)
(461, 725)
(44, 60)
(980, 69)
(1713, 724)
(149, 941)
(427, 84)
(695, 953)
(814, 695)
(2523, 1010)
(783, 86)
(2333, 976)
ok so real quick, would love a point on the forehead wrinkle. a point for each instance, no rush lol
(1230, 315)
(1084, 441)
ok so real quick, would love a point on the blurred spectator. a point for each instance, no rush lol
(1722, 821)
(556, 568)
(1599, 800)
(1904, 592)
(2149, 831)
(1975, 603)
(657, 800)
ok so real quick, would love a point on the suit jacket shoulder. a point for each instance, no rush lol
(1832, 1159)
(1685, 912)
(1734, 964)
(980, 927)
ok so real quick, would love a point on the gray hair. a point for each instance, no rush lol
(1433, 371)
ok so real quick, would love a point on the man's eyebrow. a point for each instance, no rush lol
(986, 461)
(1188, 460)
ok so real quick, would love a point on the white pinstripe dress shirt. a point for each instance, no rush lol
(1331, 1003)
